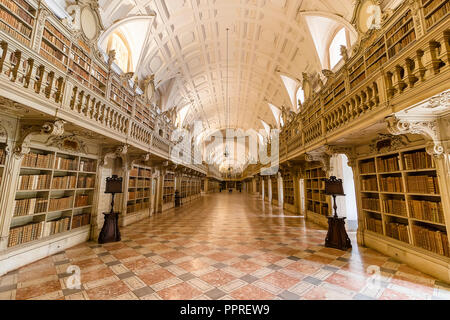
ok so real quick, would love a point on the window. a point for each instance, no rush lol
(340, 39)
(300, 96)
(118, 42)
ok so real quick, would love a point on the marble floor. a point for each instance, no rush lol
(223, 246)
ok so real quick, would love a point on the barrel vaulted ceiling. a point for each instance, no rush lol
(186, 51)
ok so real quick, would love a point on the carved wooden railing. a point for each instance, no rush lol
(108, 107)
(342, 102)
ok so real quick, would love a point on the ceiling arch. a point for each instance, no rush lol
(188, 41)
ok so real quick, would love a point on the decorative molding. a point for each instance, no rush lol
(441, 100)
(388, 142)
(68, 142)
(21, 148)
(427, 128)
(323, 158)
(118, 152)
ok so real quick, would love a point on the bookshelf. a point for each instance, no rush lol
(435, 11)
(274, 182)
(80, 62)
(120, 97)
(169, 188)
(17, 18)
(55, 47)
(139, 189)
(400, 199)
(98, 79)
(288, 188)
(316, 200)
(54, 194)
(266, 188)
(357, 73)
(400, 34)
(144, 115)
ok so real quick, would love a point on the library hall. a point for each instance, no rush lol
(224, 150)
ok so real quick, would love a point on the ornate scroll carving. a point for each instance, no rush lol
(119, 152)
(55, 128)
(427, 128)
(323, 158)
(68, 142)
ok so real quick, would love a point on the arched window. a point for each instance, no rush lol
(300, 96)
(340, 39)
(118, 42)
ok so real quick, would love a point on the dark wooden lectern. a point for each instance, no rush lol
(110, 230)
(337, 235)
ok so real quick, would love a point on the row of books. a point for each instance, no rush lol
(87, 165)
(56, 226)
(81, 220)
(23, 14)
(427, 210)
(422, 184)
(57, 204)
(61, 49)
(2, 156)
(66, 164)
(139, 183)
(17, 24)
(394, 206)
(79, 70)
(168, 183)
(374, 225)
(81, 200)
(86, 182)
(438, 14)
(81, 52)
(14, 33)
(431, 240)
(34, 182)
(50, 55)
(397, 231)
(131, 195)
(388, 164)
(406, 26)
(26, 233)
(66, 182)
(144, 173)
(367, 166)
(369, 184)
(410, 37)
(418, 160)
(167, 198)
(373, 66)
(62, 38)
(134, 207)
(26, 207)
(391, 184)
(319, 173)
(396, 27)
(36, 160)
(371, 204)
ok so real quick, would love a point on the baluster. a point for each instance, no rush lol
(87, 101)
(80, 101)
(16, 56)
(48, 88)
(74, 98)
(39, 77)
(4, 47)
(28, 73)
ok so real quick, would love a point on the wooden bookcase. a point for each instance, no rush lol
(274, 182)
(139, 189)
(400, 34)
(144, 115)
(55, 46)
(435, 11)
(17, 18)
(400, 199)
(54, 194)
(316, 200)
(121, 97)
(288, 189)
(80, 62)
(98, 79)
(169, 189)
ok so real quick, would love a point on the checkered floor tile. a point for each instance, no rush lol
(224, 246)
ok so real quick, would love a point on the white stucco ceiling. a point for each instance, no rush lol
(187, 52)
